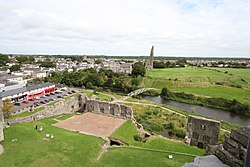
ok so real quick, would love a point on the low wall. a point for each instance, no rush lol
(80, 104)
(234, 149)
(61, 107)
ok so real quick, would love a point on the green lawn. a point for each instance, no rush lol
(31, 148)
(214, 82)
(151, 158)
(24, 114)
(101, 96)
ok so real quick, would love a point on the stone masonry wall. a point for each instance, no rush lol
(61, 107)
(202, 131)
(234, 148)
(81, 104)
(106, 108)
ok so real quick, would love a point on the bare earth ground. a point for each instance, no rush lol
(91, 124)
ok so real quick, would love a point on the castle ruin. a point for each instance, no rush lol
(202, 131)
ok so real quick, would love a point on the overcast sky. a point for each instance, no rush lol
(215, 28)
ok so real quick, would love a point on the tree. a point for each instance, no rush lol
(4, 59)
(48, 64)
(138, 69)
(98, 61)
(7, 107)
(159, 64)
(165, 92)
(15, 68)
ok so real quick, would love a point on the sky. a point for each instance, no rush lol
(193, 28)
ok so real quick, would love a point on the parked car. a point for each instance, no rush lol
(17, 104)
(36, 104)
(73, 91)
(58, 91)
(25, 101)
(37, 97)
(43, 96)
(52, 93)
(52, 99)
(46, 100)
(64, 89)
(69, 92)
(42, 102)
(47, 95)
(31, 99)
(59, 97)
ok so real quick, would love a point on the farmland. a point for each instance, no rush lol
(213, 82)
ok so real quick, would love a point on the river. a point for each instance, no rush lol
(206, 111)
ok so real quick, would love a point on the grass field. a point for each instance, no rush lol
(24, 114)
(214, 82)
(31, 148)
(150, 158)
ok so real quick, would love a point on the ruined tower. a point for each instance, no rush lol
(149, 64)
(202, 131)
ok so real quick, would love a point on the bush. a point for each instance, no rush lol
(139, 138)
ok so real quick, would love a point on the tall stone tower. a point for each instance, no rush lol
(149, 64)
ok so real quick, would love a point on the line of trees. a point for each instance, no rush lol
(93, 79)
(177, 64)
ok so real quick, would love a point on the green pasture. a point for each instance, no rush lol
(214, 82)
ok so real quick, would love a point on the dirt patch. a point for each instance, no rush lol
(92, 124)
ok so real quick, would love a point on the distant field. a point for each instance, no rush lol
(215, 82)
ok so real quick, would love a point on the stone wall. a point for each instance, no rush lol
(234, 148)
(103, 107)
(1, 126)
(61, 107)
(80, 104)
(202, 131)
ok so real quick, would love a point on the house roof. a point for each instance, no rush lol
(24, 89)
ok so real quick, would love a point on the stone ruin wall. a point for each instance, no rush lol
(61, 107)
(80, 104)
(234, 149)
(108, 108)
(202, 131)
(1, 126)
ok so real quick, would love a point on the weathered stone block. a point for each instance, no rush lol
(202, 131)
(104, 107)
(240, 137)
